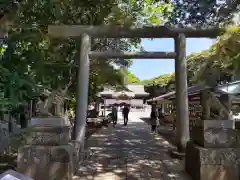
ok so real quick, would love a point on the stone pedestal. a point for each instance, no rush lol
(48, 153)
(212, 163)
(214, 152)
(216, 134)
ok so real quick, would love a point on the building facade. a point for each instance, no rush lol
(134, 95)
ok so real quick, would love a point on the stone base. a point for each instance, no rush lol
(216, 137)
(212, 163)
(49, 135)
(216, 134)
(46, 162)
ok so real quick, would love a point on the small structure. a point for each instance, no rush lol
(133, 94)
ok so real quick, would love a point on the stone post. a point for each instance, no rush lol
(182, 113)
(82, 90)
(47, 153)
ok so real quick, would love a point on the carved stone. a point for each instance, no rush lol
(48, 121)
(228, 124)
(216, 133)
(212, 163)
(47, 154)
(46, 162)
(49, 135)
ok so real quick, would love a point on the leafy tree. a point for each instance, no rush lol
(43, 63)
(202, 12)
(132, 78)
(222, 59)
(161, 80)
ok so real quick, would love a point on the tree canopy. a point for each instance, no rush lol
(203, 12)
(32, 62)
(132, 78)
(161, 80)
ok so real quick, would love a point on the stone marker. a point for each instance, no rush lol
(216, 134)
(13, 175)
(215, 149)
(48, 153)
(212, 163)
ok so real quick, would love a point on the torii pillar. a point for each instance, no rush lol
(82, 88)
(182, 112)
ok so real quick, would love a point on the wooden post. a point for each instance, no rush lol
(82, 90)
(182, 113)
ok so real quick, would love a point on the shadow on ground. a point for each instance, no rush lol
(166, 131)
(129, 152)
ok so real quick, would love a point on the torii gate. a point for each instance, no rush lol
(179, 35)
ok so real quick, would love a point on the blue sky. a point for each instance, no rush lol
(147, 68)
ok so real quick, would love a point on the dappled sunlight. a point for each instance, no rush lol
(129, 152)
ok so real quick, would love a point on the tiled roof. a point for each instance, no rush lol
(136, 88)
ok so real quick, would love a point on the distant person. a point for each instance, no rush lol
(114, 114)
(125, 112)
(154, 118)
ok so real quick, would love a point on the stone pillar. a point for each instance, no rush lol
(215, 150)
(47, 153)
(82, 90)
(182, 112)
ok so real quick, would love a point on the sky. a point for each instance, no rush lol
(149, 68)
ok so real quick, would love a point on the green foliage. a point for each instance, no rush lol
(132, 78)
(219, 62)
(33, 62)
(161, 80)
(202, 12)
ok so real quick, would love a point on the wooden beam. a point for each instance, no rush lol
(64, 31)
(134, 55)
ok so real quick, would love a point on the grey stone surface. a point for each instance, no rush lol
(46, 162)
(226, 124)
(13, 175)
(216, 133)
(47, 154)
(216, 137)
(48, 121)
(212, 163)
(49, 135)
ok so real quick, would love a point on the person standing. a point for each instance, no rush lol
(154, 118)
(126, 110)
(114, 114)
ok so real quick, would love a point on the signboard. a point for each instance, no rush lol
(13, 175)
